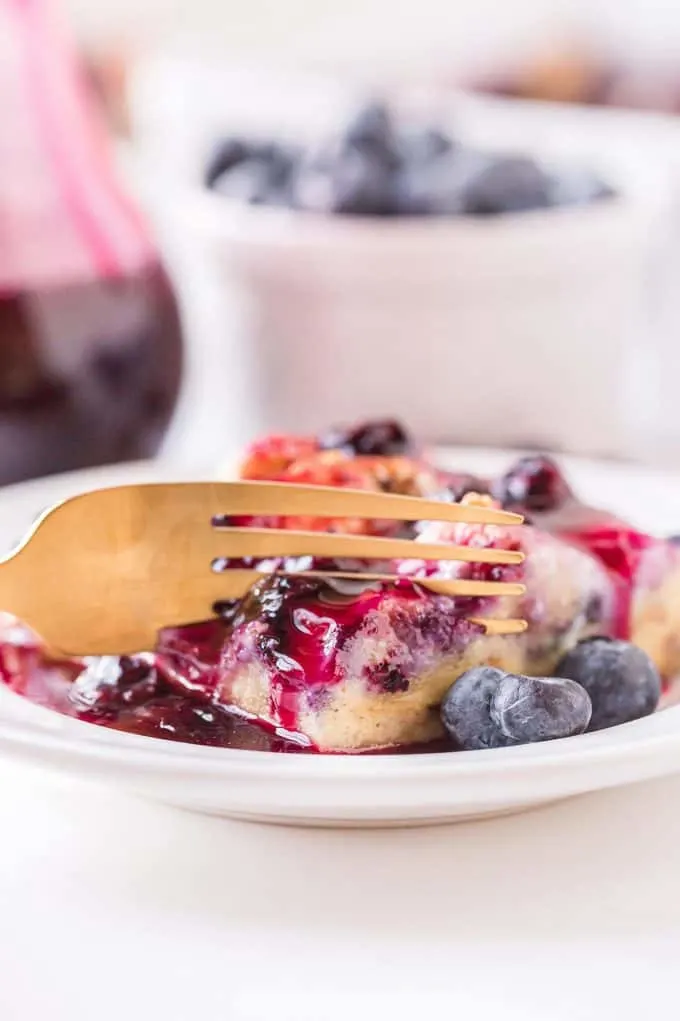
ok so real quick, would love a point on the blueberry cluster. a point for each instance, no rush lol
(376, 166)
(602, 682)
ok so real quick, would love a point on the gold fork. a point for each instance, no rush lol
(102, 572)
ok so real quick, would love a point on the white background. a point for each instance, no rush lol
(114, 909)
(391, 33)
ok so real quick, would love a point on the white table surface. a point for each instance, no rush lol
(114, 908)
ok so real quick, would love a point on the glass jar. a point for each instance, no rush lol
(90, 341)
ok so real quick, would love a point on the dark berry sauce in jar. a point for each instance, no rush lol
(90, 345)
(89, 374)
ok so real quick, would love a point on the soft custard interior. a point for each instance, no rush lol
(370, 670)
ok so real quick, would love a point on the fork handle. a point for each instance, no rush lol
(27, 594)
(12, 586)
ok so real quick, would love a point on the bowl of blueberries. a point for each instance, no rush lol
(374, 165)
(438, 257)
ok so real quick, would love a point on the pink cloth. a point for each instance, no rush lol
(63, 217)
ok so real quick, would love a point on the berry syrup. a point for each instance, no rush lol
(136, 694)
(171, 693)
(295, 629)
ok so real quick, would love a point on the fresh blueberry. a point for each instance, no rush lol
(264, 176)
(373, 166)
(226, 155)
(426, 191)
(533, 483)
(621, 679)
(466, 710)
(363, 186)
(249, 181)
(353, 172)
(528, 709)
(675, 539)
(344, 181)
(439, 187)
(488, 708)
(422, 145)
(377, 438)
(111, 683)
(371, 131)
(508, 184)
(577, 188)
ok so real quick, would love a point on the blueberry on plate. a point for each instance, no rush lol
(466, 710)
(488, 708)
(508, 184)
(534, 483)
(380, 437)
(110, 684)
(528, 709)
(621, 679)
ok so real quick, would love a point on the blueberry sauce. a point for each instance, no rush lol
(295, 629)
(140, 695)
(137, 694)
(620, 548)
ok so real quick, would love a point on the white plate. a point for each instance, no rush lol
(354, 791)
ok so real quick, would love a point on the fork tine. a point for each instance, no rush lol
(499, 626)
(209, 544)
(210, 587)
(279, 542)
(465, 587)
(180, 501)
(238, 579)
(255, 498)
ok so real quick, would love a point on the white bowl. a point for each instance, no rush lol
(481, 331)
(345, 790)
(333, 318)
